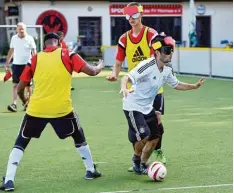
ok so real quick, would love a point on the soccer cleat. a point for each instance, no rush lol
(130, 169)
(137, 168)
(8, 186)
(136, 164)
(160, 156)
(2, 185)
(12, 108)
(91, 175)
(144, 168)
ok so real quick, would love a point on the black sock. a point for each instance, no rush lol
(159, 144)
(136, 159)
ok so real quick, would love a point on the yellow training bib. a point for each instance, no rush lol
(51, 96)
(137, 52)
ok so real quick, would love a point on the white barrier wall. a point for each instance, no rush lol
(194, 61)
(222, 63)
(201, 61)
(109, 55)
(175, 61)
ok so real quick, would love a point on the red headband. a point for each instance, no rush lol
(132, 10)
(169, 41)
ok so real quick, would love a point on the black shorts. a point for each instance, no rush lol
(66, 126)
(17, 70)
(159, 103)
(141, 126)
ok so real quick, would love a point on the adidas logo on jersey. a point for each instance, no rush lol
(138, 56)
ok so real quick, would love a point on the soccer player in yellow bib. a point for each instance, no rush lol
(50, 103)
(135, 44)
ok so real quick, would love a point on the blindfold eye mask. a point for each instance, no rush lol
(134, 16)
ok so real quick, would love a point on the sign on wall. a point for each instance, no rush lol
(52, 21)
(201, 9)
(150, 9)
(13, 11)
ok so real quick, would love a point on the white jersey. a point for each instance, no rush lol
(22, 49)
(146, 81)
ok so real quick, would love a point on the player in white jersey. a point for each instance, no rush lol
(146, 78)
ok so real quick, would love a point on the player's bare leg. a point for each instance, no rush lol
(146, 153)
(148, 149)
(13, 106)
(28, 93)
(138, 146)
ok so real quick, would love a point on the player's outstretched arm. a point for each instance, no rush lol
(124, 89)
(186, 86)
(93, 70)
(115, 72)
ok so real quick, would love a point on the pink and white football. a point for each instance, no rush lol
(157, 171)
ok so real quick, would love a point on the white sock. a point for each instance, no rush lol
(13, 162)
(86, 157)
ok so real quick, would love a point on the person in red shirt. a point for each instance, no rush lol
(61, 38)
(50, 103)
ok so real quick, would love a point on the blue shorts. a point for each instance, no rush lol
(141, 126)
(17, 70)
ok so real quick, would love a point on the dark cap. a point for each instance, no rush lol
(51, 35)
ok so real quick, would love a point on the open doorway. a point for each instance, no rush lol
(90, 33)
(203, 29)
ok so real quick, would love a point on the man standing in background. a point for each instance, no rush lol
(22, 47)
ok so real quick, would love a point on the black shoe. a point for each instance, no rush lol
(144, 168)
(72, 88)
(91, 175)
(136, 160)
(137, 168)
(12, 108)
(2, 184)
(8, 186)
